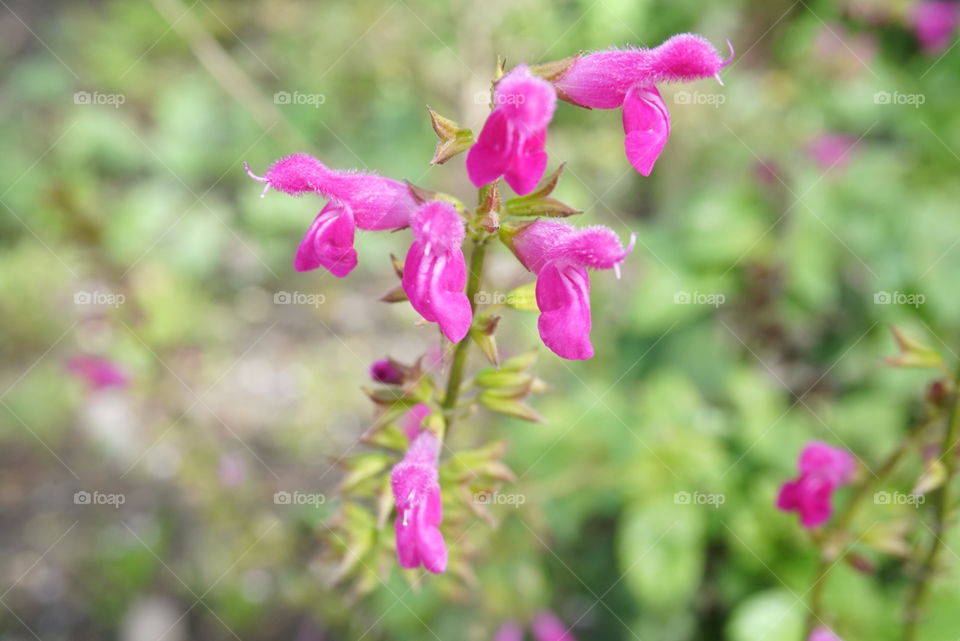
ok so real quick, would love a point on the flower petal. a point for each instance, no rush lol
(647, 125)
(490, 156)
(563, 296)
(528, 165)
(328, 243)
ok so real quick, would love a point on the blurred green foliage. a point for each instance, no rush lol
(235, 397)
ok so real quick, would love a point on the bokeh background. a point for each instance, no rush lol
(795, 214)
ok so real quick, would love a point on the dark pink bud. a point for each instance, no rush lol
(386, 371)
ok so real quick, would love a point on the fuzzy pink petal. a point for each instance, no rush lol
(528, 101)
(430, 544)
(646, 123)
(528, 165)
(490, 156)
(296, 175)
(413, 420)
(563, 296)
(833, 463)
(686, 57)
(406, 537)
(328, 243)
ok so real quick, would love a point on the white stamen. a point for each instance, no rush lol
(719, 79)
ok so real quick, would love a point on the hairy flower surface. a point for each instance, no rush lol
(355, 199)
(823, 469)
(512, 141)
(416, 492)
(434, 273)
(560, 255)
(627, 79)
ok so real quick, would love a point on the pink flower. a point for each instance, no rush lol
(559, 255)
(831, 150)
(509, 631)
(412, 421)
(416, 491)
(512, 140)
(823, 469)
(548, 627)
(934, 22)
(356, 200)
(100, 373)
(434, 273)
(823, 633)
(628, 78)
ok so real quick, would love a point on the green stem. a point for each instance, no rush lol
(921, 588)
(828, 551)
(463, 347)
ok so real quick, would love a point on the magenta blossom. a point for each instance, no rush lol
(823, 633)
(559, 255)
(512, 140)
(823, 469)
(100, 373)
(627, 78)
(547, 626)
(416, 492)
(356, 200)
(509, 631)
(386, 371)
(435, 273)
(831, 150)
(934, 23)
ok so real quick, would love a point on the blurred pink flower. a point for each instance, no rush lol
(232, 470)
(559, 255)
(356, 200)
(823, 633)
(627, 78)
(434, 273)
(413, 420)
(509, 631)
(934, 23)
(823, 469)
(99, 372)
(547, 626)
(831, 150)
(511, 143)
(416, 492)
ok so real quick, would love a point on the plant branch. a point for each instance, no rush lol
(921, 588)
